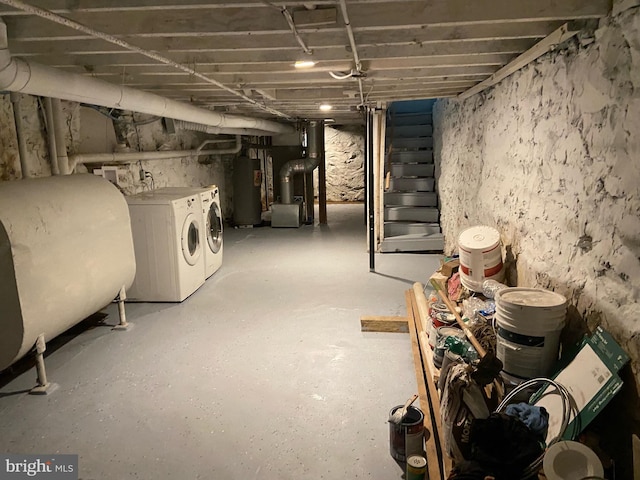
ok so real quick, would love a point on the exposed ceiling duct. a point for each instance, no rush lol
(198, 127)
(315, 151)
(21, 75)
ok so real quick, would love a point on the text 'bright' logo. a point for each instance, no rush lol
(30, 468)
(54, 467)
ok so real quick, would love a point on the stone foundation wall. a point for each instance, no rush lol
(551, 158)
(344, 157)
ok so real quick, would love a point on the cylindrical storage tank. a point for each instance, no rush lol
(480, 256)
(65, 252)
(247, 182)
(528, 323)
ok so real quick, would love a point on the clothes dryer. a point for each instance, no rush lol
(211, 220)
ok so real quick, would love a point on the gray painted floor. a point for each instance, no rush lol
(263, 373)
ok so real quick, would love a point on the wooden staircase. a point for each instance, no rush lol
(411, 214)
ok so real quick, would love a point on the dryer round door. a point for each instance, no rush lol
(191, 248)
(214, 228)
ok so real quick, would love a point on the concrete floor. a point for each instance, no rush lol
(263, 373)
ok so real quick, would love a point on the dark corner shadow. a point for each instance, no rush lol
(392, 277)
(27, 362)
(17, 392)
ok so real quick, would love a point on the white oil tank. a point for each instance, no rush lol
(66, 250)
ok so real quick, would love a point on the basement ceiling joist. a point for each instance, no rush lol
(408, 49)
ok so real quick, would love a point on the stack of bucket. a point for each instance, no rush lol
(528, 323)
(480, 256)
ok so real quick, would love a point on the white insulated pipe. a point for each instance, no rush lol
(51, 136)
(67, 22)
(21, 75)
(61, 143)
(130, 157)
(22, 144)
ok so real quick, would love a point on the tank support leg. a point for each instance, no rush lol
(43, 386)
(123, 325)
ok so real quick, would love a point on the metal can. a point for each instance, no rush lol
(416, 468)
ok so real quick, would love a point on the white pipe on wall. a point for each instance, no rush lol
(61, 143)
(22, 144)
(51, 136)
(21, 75)
(131, 157)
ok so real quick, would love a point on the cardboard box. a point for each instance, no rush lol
(592, 380)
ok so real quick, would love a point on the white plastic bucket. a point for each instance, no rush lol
(529, 322)
(480, 256)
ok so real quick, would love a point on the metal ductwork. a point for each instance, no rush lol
(315, 153)
(20, 75)
(198, 127)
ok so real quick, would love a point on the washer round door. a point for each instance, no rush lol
(214, 228)
(191, 248)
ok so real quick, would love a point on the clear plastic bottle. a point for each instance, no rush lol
(490, 288)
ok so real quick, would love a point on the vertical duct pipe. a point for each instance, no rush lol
(51, 136)
(61, 143)
(315, 153)
(22, 143)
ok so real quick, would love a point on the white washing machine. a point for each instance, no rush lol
(211, 220)
(169, 243)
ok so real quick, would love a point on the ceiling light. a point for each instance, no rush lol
(325, 108)
(304, 64)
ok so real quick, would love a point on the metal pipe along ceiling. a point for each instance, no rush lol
(315, 149)
(20, 75)
(354, 48)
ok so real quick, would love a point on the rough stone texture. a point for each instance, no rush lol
(173, 172)
(38, 155)
(550, 157)
(344, 156)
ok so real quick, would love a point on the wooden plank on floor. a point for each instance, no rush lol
(431, 450)
(372, 323)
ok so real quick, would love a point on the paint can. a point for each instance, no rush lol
(438, 317)
(407, 438)
(480, 256)
(529, 322)
(439, 349)
(416, 468)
